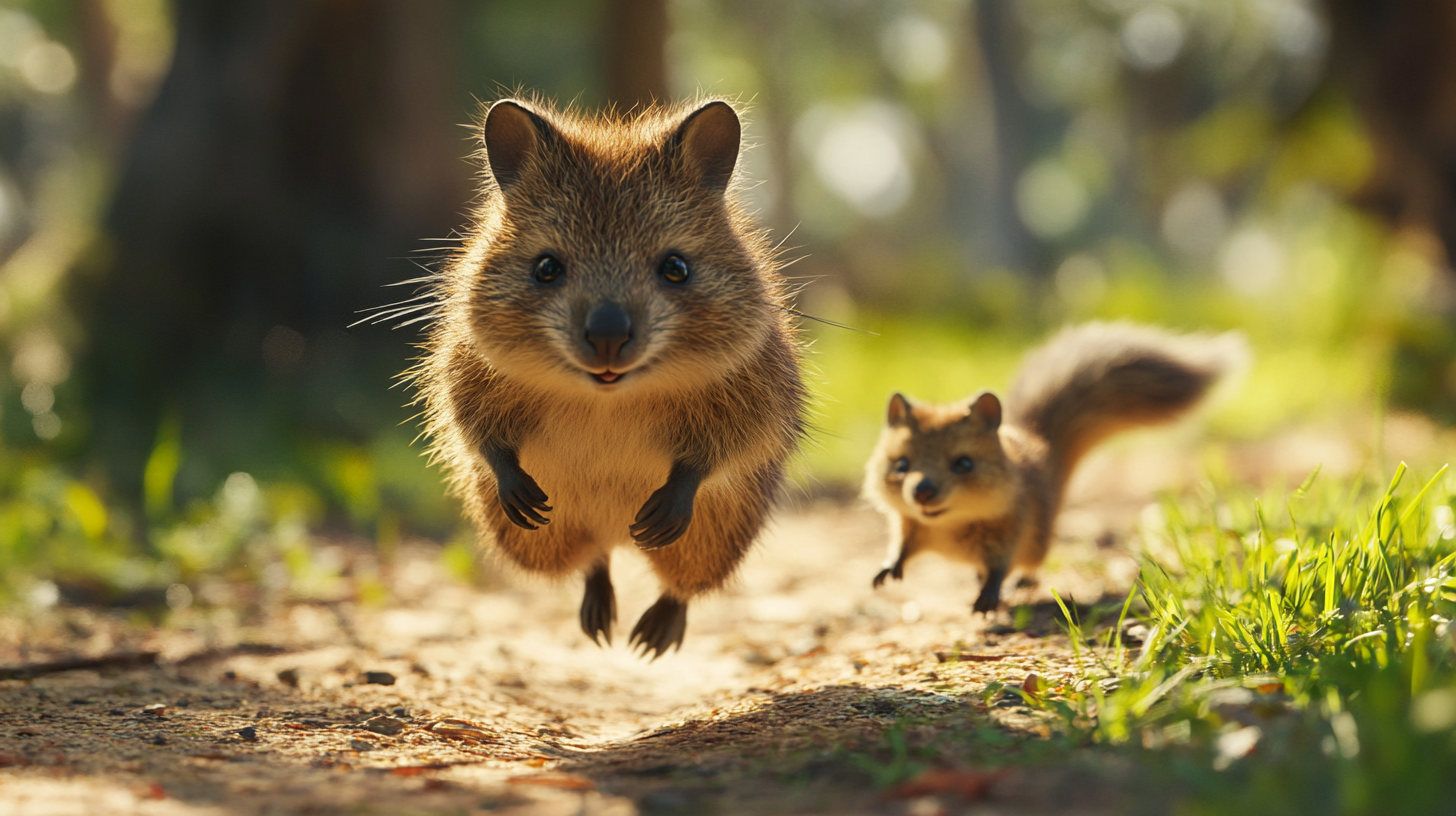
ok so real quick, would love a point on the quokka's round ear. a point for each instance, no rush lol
(987, 408)
(899, 410)
(709, 140)
(513, 133)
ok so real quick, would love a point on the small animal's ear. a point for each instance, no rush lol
(709, 140)
(512, 135)
(987, 409)
(899, 412)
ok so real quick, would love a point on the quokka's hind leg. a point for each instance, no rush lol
(723, 528)
(990, 598)
(661, 627)
(599, 603)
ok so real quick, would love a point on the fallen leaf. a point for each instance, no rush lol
(462, 730)
(971, 786)
(561, 781)
(1032, 685)
(966, 657)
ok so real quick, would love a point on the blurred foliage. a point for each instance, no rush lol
(956, 178)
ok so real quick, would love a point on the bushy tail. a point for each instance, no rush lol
(1093, 380)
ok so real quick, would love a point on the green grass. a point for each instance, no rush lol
(1298, 656)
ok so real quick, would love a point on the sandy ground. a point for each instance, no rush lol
(782, 700)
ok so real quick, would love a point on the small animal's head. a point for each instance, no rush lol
(610, 253)
(942, 464)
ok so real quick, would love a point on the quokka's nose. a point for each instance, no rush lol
(608, 328)
(925, 491)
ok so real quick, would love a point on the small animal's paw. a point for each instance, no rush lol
(523, 500)
(661, 627)
(895, 571)
(665, 516)
(987, 602)
(598, 607)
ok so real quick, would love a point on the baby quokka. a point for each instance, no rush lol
(980, 482)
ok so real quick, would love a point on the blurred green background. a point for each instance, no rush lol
(198, 199)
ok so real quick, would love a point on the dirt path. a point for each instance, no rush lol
(784, 699)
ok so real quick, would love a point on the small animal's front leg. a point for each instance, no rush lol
(901, 548)
(893, 569)
(669, 510)
(990, 597)
(521, 498)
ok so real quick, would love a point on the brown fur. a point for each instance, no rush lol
(1086, 384)
(712, 382)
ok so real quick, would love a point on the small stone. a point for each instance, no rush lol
(999, 629)
(289, 677)
(401, 711)
(118, 712)
(155, 709)
(387, 726)
(379, 678)
(250, 733)
(159, 740)
(361, 745)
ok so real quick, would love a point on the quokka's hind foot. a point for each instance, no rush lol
(990, 598)
(661, 627)
(598, 605)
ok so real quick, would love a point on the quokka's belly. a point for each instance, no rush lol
(597, 469)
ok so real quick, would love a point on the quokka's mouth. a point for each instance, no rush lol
(933, 513)
(608, 377)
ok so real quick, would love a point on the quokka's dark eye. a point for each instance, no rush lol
(901, 465)
(965, 464)
(547, 269)
(675, 269)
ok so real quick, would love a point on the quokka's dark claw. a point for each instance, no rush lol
(661, 627)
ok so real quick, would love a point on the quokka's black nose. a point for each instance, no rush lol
(924, 491)
(608, 329)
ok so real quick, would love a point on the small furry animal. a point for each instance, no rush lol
(956, 480)
(613, 358)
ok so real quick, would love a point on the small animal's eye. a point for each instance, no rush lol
(965, 464)
(547, 269)
(675, 269)
(902, 465)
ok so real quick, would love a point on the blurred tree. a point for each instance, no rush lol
(636, 49)
(1399, 63)
(1000, 37)
(295, 151)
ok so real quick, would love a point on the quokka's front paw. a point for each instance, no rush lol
(523, 500)
(665, 516)
(894, 571)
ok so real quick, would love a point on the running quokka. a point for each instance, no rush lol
(613, 359)
(957, 480)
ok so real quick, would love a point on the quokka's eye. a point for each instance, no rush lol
(675, 269)
(965, 464)
(902, 465)
(547, 269)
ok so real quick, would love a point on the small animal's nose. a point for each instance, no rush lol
(608, 328)
(925, 491)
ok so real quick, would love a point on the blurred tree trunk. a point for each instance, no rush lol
(1399, 61)
(999, 39)
(295, 151)
(636, 50)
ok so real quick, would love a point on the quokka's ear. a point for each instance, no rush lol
(987, 408)
(899, 411)
(513, 134)
(709, 140)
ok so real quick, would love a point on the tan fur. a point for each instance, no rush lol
(1086, 384)
(715, 381)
